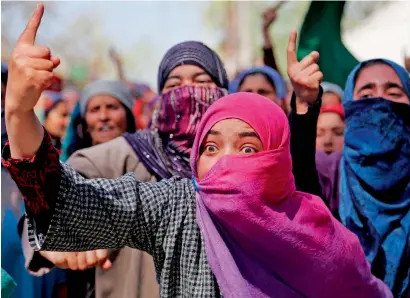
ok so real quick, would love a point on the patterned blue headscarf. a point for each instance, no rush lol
(375, 180)
(275, 77)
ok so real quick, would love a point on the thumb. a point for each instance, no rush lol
(106, 264)
(56, 61)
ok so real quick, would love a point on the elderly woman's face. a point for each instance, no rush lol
(106, 118)
(187, 75)
(379, 80)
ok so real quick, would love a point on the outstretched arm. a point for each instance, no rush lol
(305, 77)
(268, 18)
(65, 211)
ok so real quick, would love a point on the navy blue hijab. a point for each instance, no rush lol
(375, 180)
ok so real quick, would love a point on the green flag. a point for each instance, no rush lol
(321, 31)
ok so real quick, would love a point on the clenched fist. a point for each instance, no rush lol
(305, 75)
(30, 68)
(78, 260)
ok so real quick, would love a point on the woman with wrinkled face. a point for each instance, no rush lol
(367, 185)
(103, 113)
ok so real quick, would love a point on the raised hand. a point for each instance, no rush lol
(114, 55)
(305, 75)
(78, 260)
(268, 16)
(30, 69)
(407, 63)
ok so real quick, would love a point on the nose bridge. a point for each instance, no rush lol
(103, 113)
(381, 90)
(328, 137)
(186, 82)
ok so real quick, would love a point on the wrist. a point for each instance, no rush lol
(302, 106)
(16, 112)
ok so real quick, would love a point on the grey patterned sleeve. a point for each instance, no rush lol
(105, 213)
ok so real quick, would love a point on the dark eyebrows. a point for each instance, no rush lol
(251, 134)
(243, 134)
(173, 77)
(394, 85)
(213, 132)
(367, 86)
(197, 74)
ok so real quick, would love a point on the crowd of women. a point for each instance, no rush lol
(256, 187)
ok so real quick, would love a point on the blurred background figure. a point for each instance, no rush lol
(330, 129)
(71, 94)
(263, 80)
(332, 94)
(56, 116)
(143, 95)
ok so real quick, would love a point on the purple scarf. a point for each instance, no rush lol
(262, 237)
(164, 149)
(328, 171)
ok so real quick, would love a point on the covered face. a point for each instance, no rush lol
(244, 139)
(332, 94)
(191, 63)
(375, 169)
(383, 79)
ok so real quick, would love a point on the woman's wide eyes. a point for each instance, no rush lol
(248, 150)
(211, 149)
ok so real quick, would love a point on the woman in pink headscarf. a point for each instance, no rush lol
(239, 228)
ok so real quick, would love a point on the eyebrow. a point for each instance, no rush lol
(367, 86)
(394, 85)
(197, 74)
(173, 77)
(387, 84)
(245, 134)
(213, 132)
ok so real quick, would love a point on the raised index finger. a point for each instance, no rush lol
(292, 58)
(29, 34)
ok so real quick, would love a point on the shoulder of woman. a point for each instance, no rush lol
(109, 160)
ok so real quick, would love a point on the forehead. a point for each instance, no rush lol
(185, 71)
(329, 119)
(103, 99)
(377, 74)
(255, 79)
(231, 125)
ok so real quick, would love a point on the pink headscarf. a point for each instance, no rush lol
(262, 237)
